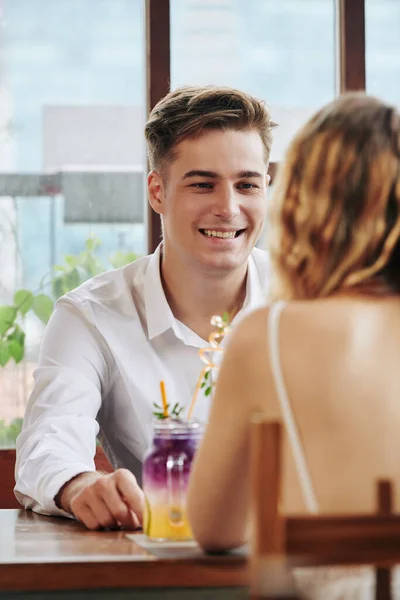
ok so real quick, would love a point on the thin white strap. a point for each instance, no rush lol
(287, 412)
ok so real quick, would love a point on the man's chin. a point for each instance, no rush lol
(223, 264)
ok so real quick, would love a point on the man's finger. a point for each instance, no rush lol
(131, 492)
(101, 512)
(85, 515)
(117, 506)
(135, 520)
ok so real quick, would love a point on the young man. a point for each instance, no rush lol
(111, 341)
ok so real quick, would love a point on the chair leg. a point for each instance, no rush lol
(383, 584)
(383, 575)
(268, 537)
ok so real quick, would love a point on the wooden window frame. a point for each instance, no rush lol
(351, 45)
(350, 72)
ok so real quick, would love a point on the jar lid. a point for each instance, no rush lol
(177, 426)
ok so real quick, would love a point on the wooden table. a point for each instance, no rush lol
(49, 557)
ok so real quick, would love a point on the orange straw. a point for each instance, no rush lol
(164, 398)
(196, 391)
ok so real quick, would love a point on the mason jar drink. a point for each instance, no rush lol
(166, 470)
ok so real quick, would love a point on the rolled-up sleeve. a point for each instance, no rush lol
(58, 438)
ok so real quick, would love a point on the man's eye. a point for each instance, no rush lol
(202, 185)
(247, 186)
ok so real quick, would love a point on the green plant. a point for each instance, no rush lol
(9, 432)
(158, 411)
(62, 279)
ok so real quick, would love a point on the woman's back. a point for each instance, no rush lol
(340, 362)
(334, 244)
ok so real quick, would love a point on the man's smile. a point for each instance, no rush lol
(225, 234)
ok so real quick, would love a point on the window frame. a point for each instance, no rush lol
(350, 71)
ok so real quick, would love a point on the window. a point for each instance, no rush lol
(72, 110)
(71, 104)
(280, 50)
(382, 55)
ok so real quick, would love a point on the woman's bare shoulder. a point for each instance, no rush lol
(252, 327)
(247, 342)
(299, 318)
(255, 324)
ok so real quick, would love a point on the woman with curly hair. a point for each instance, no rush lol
(324, 356)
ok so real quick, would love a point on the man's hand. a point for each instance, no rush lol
(106, 501)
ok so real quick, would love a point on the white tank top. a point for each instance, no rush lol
(289, 421)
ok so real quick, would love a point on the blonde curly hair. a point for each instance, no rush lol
(334, 220)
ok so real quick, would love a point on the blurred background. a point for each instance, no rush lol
(77, 80)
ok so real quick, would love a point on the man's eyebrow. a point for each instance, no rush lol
(248, 174)
(198, 173)
(213, 175)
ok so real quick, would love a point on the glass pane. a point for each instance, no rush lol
(382, 52)
(72, 96)
(280, 50)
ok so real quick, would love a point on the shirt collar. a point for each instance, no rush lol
(255, 293)
(159, 315)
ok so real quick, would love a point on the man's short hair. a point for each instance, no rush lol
(189, 111)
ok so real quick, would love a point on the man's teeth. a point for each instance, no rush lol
(220, 234)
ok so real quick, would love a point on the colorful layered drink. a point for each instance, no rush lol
(166, 470)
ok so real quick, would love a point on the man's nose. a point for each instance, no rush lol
(226, 204)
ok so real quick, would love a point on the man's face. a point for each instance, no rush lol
(212, 199)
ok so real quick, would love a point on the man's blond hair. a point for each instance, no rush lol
(188, 111)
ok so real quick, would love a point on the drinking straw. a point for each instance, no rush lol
(164, 398)
(209, 364)
(198, 385)
(206, 354)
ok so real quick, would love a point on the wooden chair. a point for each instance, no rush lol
(311, 540)
(7, 480)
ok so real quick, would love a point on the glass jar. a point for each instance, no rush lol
(166, 470)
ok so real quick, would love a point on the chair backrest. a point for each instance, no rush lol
(7, 481)
(7, 478)
(317, 539)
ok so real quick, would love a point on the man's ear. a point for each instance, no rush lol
(267, 180)
(155, 188)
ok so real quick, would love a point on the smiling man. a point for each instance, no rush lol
(111, 341)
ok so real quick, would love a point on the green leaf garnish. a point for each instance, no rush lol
(158, 411)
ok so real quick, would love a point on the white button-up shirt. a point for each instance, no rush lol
(105, 349)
